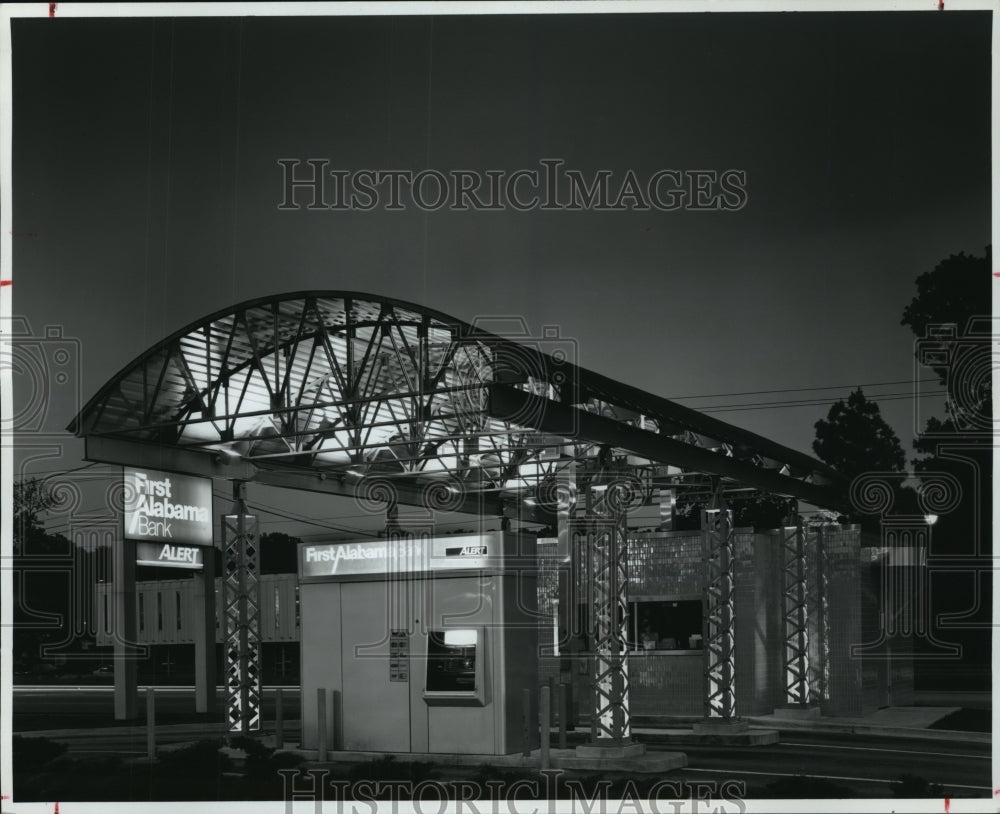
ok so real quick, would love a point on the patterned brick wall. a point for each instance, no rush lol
(665, 565)
(666, 685)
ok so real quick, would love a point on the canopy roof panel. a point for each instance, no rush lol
(352, 385)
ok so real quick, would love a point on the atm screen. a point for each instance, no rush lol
(451, 660)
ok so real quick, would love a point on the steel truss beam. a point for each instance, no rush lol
(720, 617)
(407, 490)
(551, 416)
(241, 615)
(338, 382)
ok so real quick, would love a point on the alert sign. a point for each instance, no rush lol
(170, 556)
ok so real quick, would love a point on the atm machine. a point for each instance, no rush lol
(422, 644)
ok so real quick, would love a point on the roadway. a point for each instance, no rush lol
(864, 763)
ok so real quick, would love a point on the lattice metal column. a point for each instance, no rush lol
(607, 534)
(720, 616)
(241, 615)
(795, 615)
(818, 601)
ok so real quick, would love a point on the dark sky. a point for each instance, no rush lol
(146, 183)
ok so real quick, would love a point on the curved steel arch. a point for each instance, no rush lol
(346, 385)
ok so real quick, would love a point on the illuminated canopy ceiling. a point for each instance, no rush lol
(339, 391)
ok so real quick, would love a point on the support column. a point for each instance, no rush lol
(241, 614)
(795, 616)
(607, 532)
(204, 635)
(844, 684)
(567, 588)
(719, 617)
(818, 617)
(124, 630)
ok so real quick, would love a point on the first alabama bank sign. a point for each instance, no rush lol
(172, 510)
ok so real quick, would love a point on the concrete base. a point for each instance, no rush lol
(598, 751)
(723, 733)
(685, 737)
(643, 763)
(797, 713)
(720, 726)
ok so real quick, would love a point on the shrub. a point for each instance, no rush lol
(911, 785)
(808, 787)
(33, 753)
(202, 757)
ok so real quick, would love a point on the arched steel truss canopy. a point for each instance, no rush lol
(340, 391)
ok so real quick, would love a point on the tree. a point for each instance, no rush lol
(950, 318)
(31, 498)
(761, 510)
(854, 438)
(278, 553)
(958, 288)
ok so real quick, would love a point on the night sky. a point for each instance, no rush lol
(146, 184)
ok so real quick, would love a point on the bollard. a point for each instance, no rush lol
(552, 699)
(593, 714)
(544, 725)
(337, 718)
(150, 723)
(526, 721)
(321, 731)
(563, 714)
(279, 719)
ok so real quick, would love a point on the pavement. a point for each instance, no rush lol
(893, 722)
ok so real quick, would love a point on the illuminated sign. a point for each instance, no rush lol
(399, 556)
(170, 556)
(168, 508)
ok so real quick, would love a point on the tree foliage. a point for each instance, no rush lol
(957, 289)
(278, 553)
(31, 498)
(758, 510)
(950, 317)
(854, 438)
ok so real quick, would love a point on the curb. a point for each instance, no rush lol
(882, 731)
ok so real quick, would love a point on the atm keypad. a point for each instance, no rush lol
(399, 656)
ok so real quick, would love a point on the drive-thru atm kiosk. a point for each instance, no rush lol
(424, 644)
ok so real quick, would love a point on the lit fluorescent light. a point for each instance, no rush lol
(461, 638)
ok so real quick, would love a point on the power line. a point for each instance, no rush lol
(768, 405)
(803, 389)
(813, 402)
(300, 519)
(41, 472)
